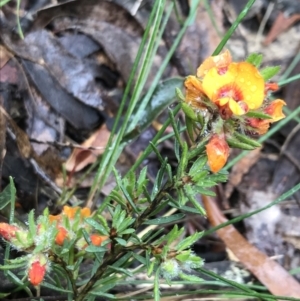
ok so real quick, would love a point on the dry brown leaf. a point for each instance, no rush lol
(281, 24)
(5, 56)
(268, 272)
(89, 151)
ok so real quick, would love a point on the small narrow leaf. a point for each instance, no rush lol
(179, 94)
(121, 241)
(198, 165)
(188, 241)
(190, 193)
(256, 114)
(247, 140)
(269, 72)
(255, 59)
(165, 219)
(97, 226)
(233, 142)
(95, 249)
(191, 278)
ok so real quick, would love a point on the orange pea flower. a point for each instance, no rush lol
(97, 240)
(235, 88)
(274, 109)
(37, 269)
(61, 235)
(217, 151)
(70, 212)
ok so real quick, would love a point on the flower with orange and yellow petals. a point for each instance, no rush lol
(239, 88)
(217, 151)
(235, 88)
(274, 109)
(70, 213)
(194, 92)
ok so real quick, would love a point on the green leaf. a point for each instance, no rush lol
(185, 208)
(269, 72)
(116, 196)
(140, 258)
(142, 181)
(200, 176)
(165, 219)
(150, 268)
(190, 193)
(121, 241)
(191, 278)
(190, 127)
(125, 192)
(204, 191)
(189, 111)
(121, 270)
(95, 249)
(156, 290)
(198, 166)
(233, 142)
(179, 94)
(221, 176)
(126, 231)
(5, 196)
(188, 241)
(255, 59)
(256, 114)
(31, 224)
(247, 140)
(162, 97)
(97, 226)
(181, 168)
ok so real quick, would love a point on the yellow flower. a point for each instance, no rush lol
(239, 88)
(235, 88)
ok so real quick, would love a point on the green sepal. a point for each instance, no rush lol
(189, 111)
(247, 140)
(233, 142)
(179, 94)
(255, 59)
(190, 127)
(260, 115)
(269, 72)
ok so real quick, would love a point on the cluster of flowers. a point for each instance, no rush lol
(234, 97)
(49, 231)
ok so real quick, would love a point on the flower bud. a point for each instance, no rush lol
(37, 269)
(61, 235)
(8, 231)
(217, 151)
(170, 269)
